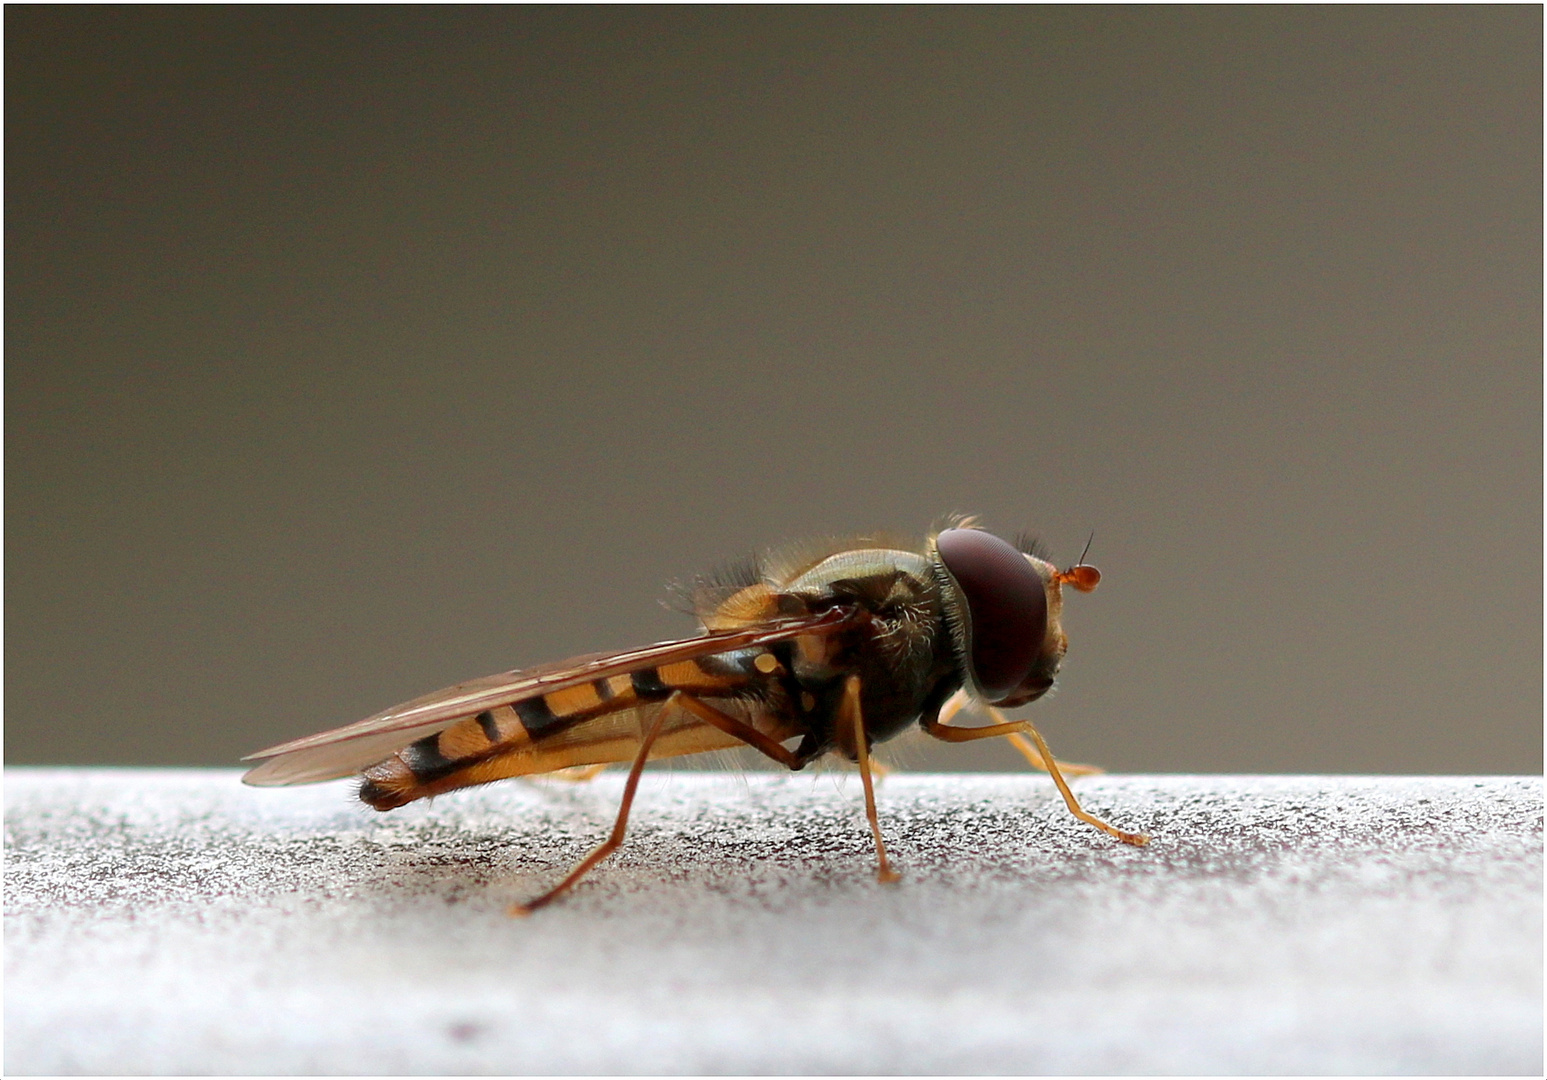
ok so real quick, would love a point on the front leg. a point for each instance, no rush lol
(1012, 732)
(1044, 760)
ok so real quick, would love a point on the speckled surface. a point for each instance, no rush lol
(177, 922)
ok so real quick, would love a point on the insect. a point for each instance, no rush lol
(839, 644)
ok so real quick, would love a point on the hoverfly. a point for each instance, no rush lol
(839, 645)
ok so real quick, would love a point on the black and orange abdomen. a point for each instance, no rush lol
(589, 724)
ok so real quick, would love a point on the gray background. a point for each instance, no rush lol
(352, 352)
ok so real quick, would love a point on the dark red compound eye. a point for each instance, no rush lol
(1006, 602)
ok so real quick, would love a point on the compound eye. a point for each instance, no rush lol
(1006, 603)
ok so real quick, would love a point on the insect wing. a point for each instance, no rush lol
(345, 751)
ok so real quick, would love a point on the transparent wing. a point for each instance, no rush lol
(347, 750)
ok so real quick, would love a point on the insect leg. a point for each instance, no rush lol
(953, 705)
(1033, 758)
(1000, 729)
(1137, 839)
(619, 827)
(851, 706)
(960, 700)
(745, 732)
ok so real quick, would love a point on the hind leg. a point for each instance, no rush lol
(619, 828)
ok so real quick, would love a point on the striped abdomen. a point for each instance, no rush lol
(595, 722)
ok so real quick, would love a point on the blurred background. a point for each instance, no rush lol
(354, 351)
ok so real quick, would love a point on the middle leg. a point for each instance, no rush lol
(851, 707)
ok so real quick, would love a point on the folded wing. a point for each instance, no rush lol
(347, 750)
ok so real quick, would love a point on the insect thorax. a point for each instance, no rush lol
(903, 655)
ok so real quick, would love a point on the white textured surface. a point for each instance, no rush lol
(175, 922)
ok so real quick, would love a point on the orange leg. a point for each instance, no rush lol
(619, 827)
(756, 739)
(1137, 839)
(1044, 760)
(745, 732)
(851, 706)
(959, 701)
